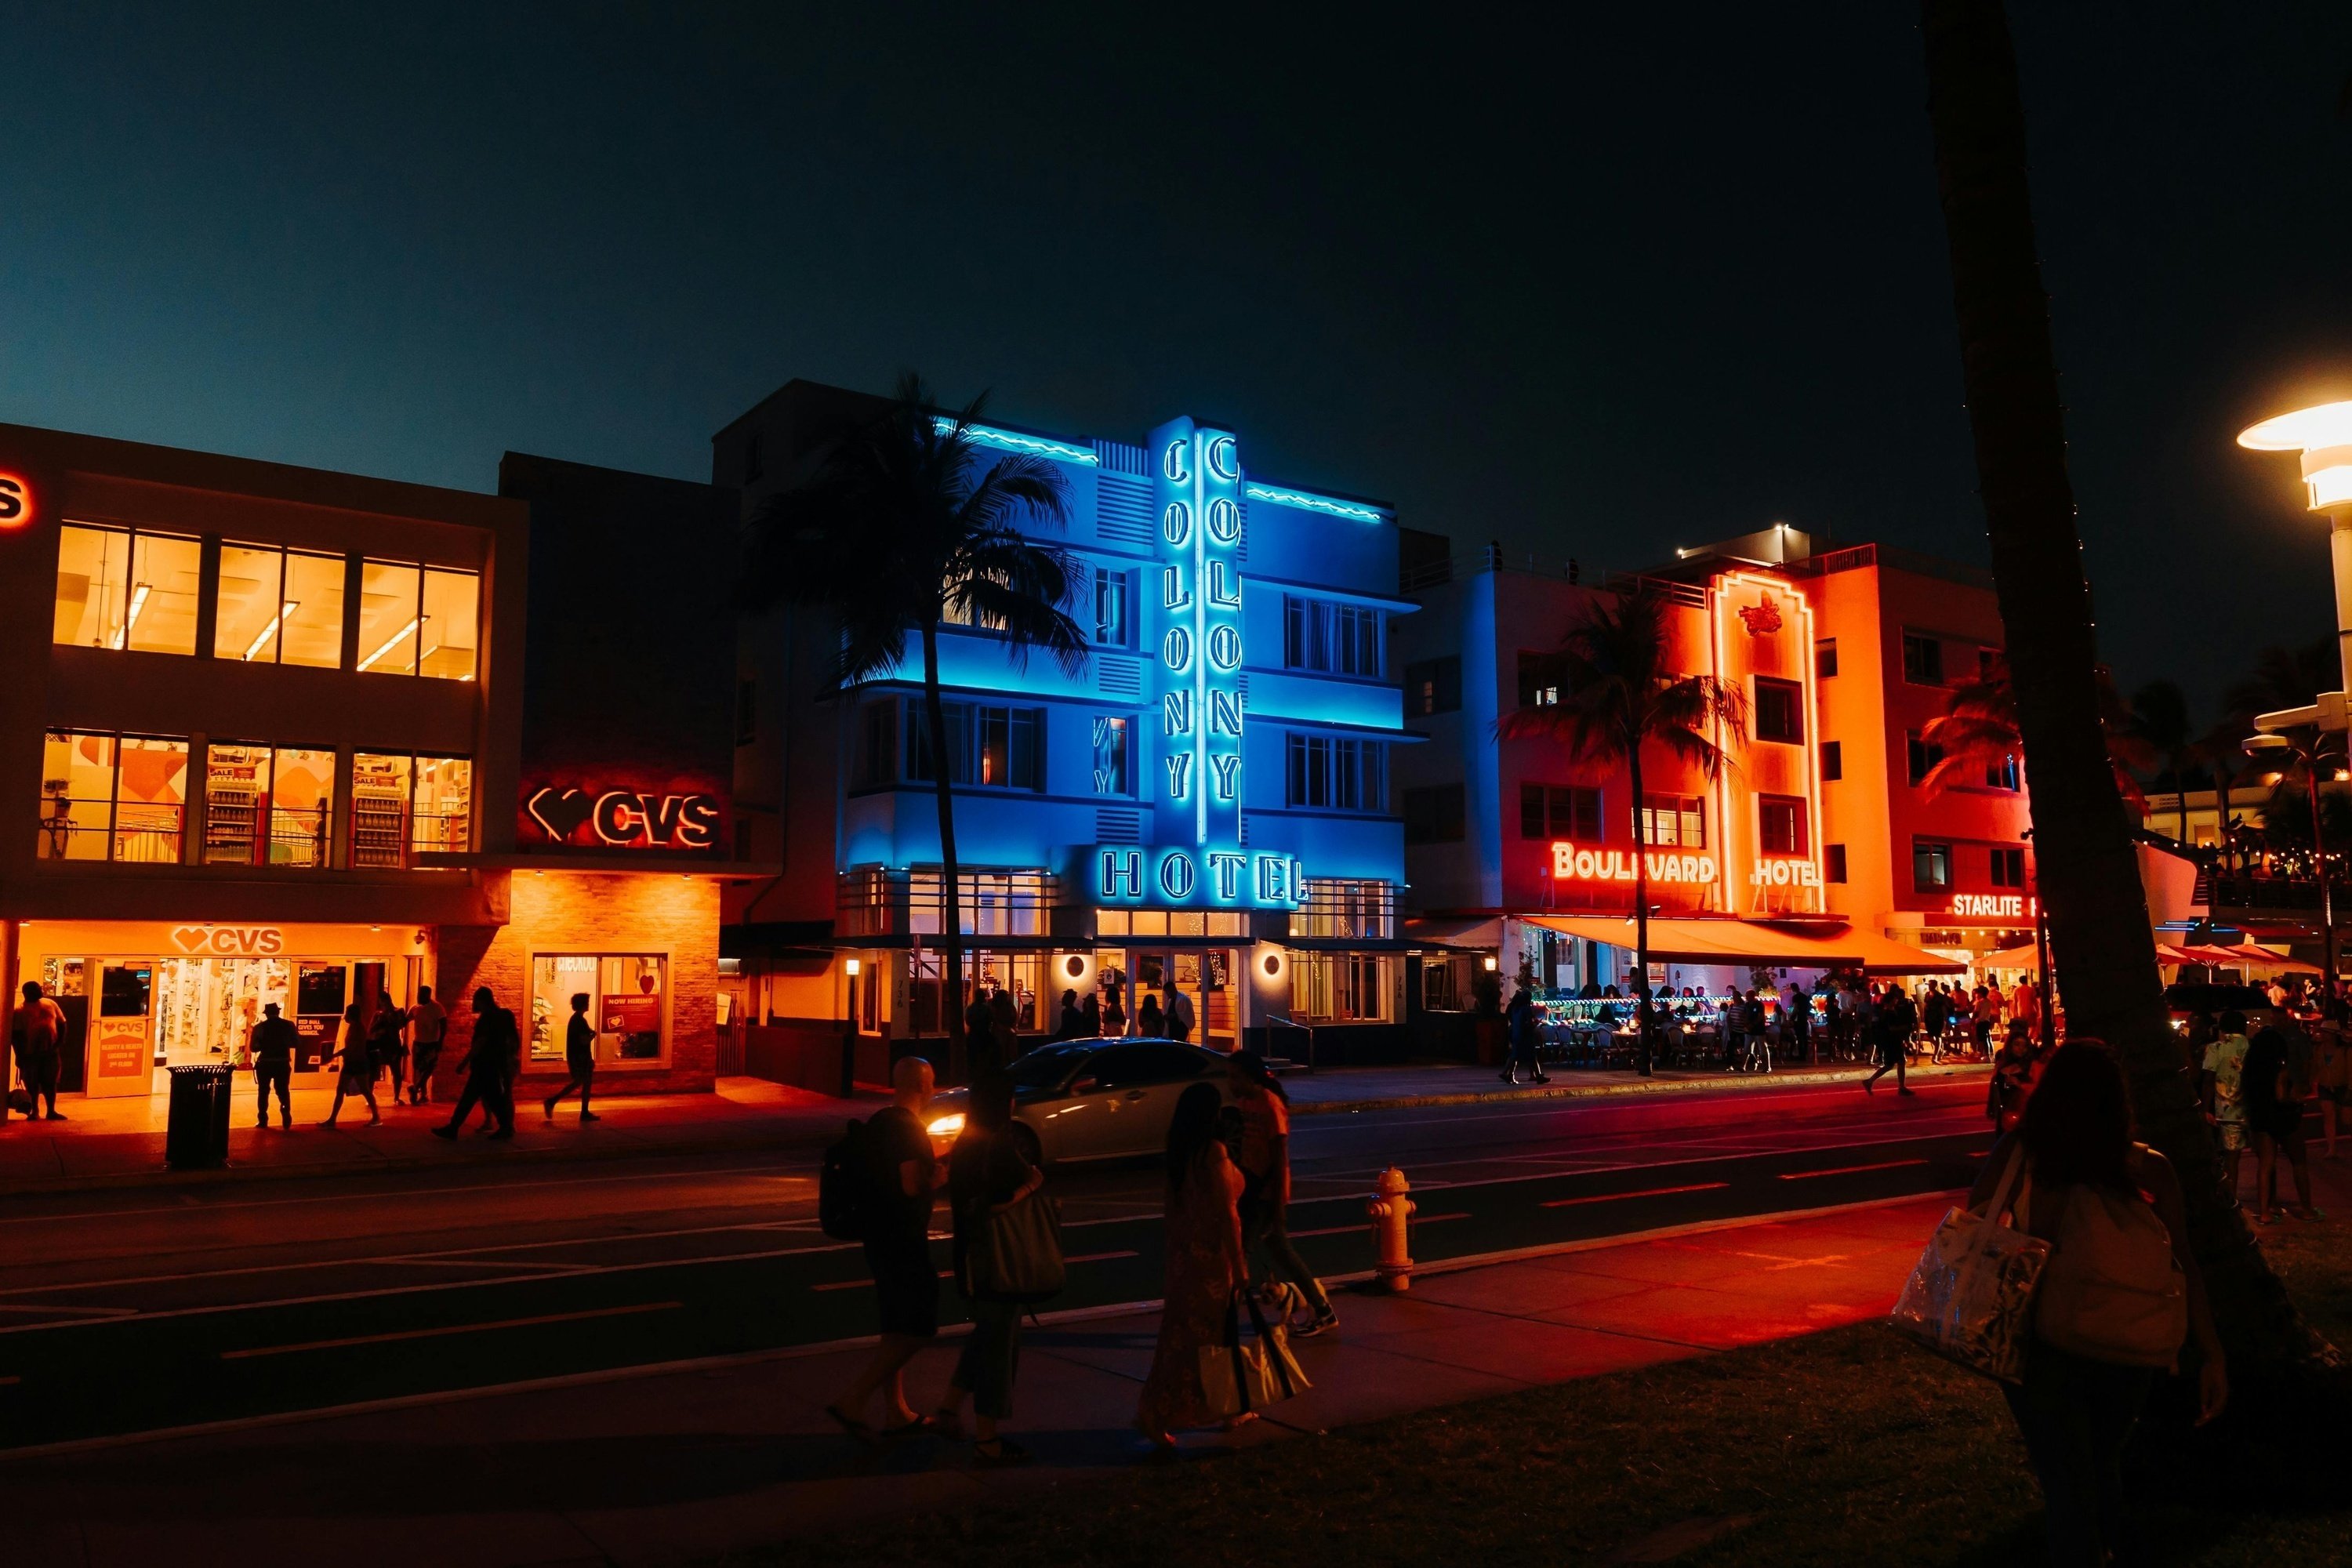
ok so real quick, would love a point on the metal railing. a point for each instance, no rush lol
(873, 901)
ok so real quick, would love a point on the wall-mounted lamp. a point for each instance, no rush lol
(1493, 964)
(851, 968)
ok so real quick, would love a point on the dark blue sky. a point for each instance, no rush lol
(1594, 288)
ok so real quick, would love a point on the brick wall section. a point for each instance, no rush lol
(558, 912)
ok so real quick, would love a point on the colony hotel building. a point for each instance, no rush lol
(280, 735)
(1205, 803)
(1817, 847)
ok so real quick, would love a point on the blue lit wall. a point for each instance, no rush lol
(1208, 552)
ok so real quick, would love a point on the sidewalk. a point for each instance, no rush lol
(663, 1465)
(109, 1143)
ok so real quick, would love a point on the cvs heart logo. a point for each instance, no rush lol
(558, 812)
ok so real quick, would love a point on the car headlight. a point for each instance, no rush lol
(947, 1126)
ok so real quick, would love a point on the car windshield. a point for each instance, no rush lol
(1048, 1066)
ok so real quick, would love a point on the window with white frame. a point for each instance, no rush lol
(1340, 988)
(1336, 639)
(1334, 773)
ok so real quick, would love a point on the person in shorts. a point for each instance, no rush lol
(2223, 1081)
(901, 1179)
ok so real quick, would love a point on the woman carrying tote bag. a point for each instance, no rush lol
(2115, 1301)
(1004, 1228)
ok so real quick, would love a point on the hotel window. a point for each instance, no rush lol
(1931, 866)
(1343, 639)
(1674, 821)
(1825, 658)
(1559, 811)
(988, 903)
(1433, 815)
(1342, 774)
(108, 797)
(986, 744)
(1780, 711)
(1832, 760)
(1110, 741)
(1540, 679)
(2002, 775)
(279, 606)
(628, 1006)
(403, 806)
(1920, 756)
(876, 758)
(1433, 686)
(1337, 908)
(1340, 988)
(2007, 868)
(127, 588)
(1780, 825)
(1833, 862)
(1111, 608)
(1922, 659)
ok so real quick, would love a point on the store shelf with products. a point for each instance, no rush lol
(379, 812)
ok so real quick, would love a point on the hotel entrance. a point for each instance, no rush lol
(140, 996)
(1206, 975)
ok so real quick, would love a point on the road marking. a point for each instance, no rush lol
(950, 1273)
(60, 1307)
(1849, 1170)
(1352, 1229)
(453, 1329)
(1644, 1192)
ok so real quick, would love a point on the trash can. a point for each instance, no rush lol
(196, 1130)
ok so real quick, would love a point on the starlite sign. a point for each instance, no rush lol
(1992, 906)
(1193, 594)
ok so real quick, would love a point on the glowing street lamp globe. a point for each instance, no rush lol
(2323, 433)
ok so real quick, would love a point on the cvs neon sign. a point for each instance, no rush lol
(625, 818)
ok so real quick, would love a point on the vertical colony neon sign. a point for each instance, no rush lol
(1195, 597)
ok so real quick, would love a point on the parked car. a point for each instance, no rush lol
(1092, 1099)
(2188, 1000)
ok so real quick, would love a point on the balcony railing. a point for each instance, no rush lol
(2269, 892)
(878, 902)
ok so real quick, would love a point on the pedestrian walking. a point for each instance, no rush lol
(2274, 1101)
(986, 1176)
(358, 1073)
(1073, 1018)
(497, 1046)
(1265, 1194)
(1897, 1018)
(1148, 1023)
(1177, 1010)
(1091, 1017)
(1753, 1026)
(38, 1032)
(1203, 1268)
(272, 1043)
(1934, 1013)
(2025, 1005)
(578, 1059)
(898, 1183)
(2101, 1200)
(1797, 1025)
(1983, 1016)
(428, 1024)
(2220, 1081)
(2331, 1075)
(1519, 1038)
(388, 1043)
(1005, 1033)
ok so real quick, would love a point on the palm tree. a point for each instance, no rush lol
(1980, 733)
(2160, 719)
(1618, 694)
(902, 529)
(2104, 948)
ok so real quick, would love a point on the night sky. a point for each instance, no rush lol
(1592, 288)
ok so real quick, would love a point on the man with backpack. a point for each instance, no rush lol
(879, 1182)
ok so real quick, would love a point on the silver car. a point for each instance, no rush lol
(1093, 1099)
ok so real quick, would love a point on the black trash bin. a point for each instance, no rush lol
(195, 1131)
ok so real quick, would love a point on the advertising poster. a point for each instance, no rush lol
(635, 1024)
(121, 1059)
(315, 1038)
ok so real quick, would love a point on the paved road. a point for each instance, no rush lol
(133, 1311)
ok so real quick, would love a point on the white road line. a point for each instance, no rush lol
(452, 1329)
(1644, 1192)
(1352, 1229)
(55, 1306)
(1849, 1170)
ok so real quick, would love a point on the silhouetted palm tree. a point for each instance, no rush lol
(2104, 948)
(902, 529)
(1980, 733)
(1619, 693)
(2160, 719)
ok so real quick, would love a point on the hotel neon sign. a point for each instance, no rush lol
(1993, 906)
(1570, 864)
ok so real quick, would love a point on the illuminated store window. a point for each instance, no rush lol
(391, 610)
(313, 632)
(301, 806)
(441, 815)
(1340, 988)
(450, 633)
(628, 1006)
(252, 606)
(166, 572)
(93, 585)
(105, 797)
(236, 803)
(380, 786)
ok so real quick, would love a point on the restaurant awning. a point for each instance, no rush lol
(2278, 960)
(2025, 956)
(1687, 941)
(1440, 932)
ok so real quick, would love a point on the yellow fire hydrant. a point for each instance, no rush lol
(1391, 1211)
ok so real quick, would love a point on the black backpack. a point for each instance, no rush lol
(840, 1184)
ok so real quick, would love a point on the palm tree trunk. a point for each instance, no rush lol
(2090, 885)
(1640, 917)
(950, 873)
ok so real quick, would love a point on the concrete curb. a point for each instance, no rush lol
(1737, 1081)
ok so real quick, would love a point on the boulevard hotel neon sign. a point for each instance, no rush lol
(1196, 856)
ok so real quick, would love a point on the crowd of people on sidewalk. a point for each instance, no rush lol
(1227, 1249)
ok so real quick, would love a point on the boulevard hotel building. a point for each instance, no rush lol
(271, 734)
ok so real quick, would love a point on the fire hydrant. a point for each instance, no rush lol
(1391, 1211)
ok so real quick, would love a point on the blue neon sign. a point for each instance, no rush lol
(1305, 502)
(1013, 441)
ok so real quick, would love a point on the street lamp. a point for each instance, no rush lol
(2278, 748)
(2323, 433)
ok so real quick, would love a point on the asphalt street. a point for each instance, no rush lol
(131, 1311)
